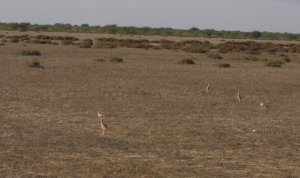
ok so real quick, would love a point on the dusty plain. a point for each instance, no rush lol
(162, 122)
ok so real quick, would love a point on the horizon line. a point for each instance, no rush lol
(165, 27)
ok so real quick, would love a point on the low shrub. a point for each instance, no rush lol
(87, 43)
(198, 48)
(105, 45)
(116, 59)
(214, 56)
(67, 42)
(224, 50)
(24, 37)
(54, 43)
(44, 37)
(34, 64)
(70, 38)
(273, 49)
(186, 61)
(287, 59)
(251, 58)
(224, 65)
(156, 47)
(170, 45)
(30, 53)
(14, 40)
(27, 41)
(100, 60)
(274, 63)
(41, 41)
(254, 52)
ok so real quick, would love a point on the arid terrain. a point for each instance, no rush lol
(162, 122)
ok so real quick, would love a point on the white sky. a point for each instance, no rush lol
(243, 15)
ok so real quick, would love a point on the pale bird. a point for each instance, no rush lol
(261, 104)
(103, 126)
(207, 88)
(238, 97)
(100, 115)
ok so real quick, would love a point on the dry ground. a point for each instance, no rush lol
(161, 122)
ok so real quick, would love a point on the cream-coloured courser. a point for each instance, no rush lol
(238, 97)
(103, 126)
(261, 104)
(100, 115)
(207, 88)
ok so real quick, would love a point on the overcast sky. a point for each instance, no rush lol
(244, 15)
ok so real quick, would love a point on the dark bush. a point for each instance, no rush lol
(54, 43)
(70, 38)
(274, 63)
(165, 44)
(100, 60)
(198, 48)
(214, 56)
(67, 42)
(287, 59)
(116, 59)
(24, 37)
(30, 53)
(251, 58)
(254, 52)
(58, 38)
(128, 43)
(105, 45)
(34, 64)
(41, 41)
(44, 37)
(27, 41)
(224, 65)
(255, 34)
(156, 47)
(186, 61)
(87, 43)
(14, 40)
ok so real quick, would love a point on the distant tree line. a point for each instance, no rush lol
(130, 30)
